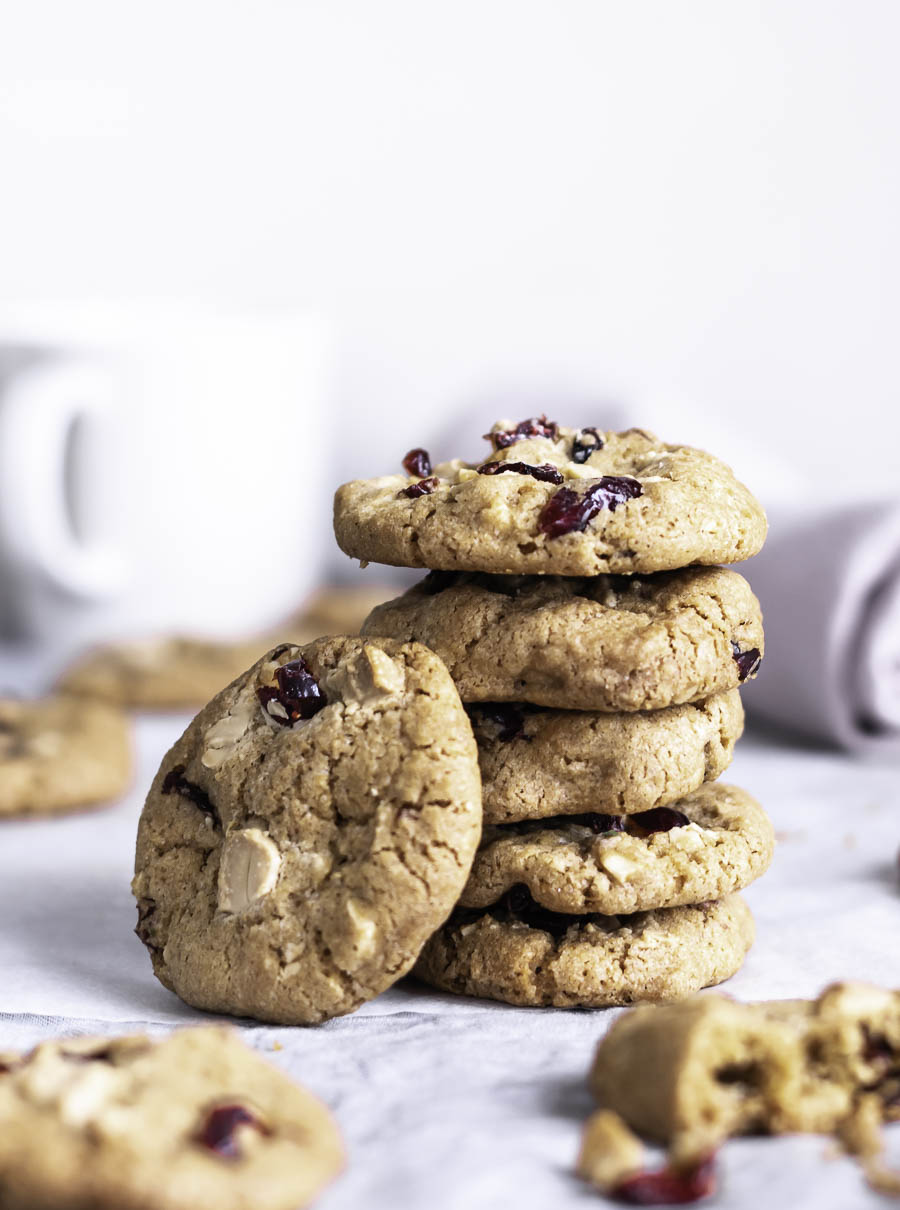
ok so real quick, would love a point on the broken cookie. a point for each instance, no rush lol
(691, 1075)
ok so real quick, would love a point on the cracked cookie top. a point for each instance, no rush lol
(313, 826)
(610, 643)
(694, 1074)
(140, 1123)
(554, 500)
(536, 763)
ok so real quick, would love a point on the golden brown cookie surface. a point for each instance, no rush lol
(609, 643)
(525, 955)
(549, 500)
(537, 763)
(314, 824)
(715, 841)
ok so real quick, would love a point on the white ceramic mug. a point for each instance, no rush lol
(161, 469)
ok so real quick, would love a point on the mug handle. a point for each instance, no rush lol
(39, 410)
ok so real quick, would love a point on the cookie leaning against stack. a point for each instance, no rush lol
(574, 599)
(312, 827)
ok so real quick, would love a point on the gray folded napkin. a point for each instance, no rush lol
(829, 585)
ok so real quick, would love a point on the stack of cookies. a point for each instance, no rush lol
(576, 599)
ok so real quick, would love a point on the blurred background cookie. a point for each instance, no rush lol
(58, 754)
(197, 1118)
(184, 673)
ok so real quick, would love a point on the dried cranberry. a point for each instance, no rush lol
(218, 1131)
(545, 472)
(668, 1186)
(567, 511)
(509, 716)
(175, 782)
(659, 819)
(748, 662)
(417, 462)
(297, 694)
(423, 488)
(586, 442)
(537, 426)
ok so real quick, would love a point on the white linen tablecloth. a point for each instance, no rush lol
(445, 1102)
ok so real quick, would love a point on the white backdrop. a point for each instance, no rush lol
(688, 208)
(682, 214)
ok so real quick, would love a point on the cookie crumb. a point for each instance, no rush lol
(610, 1151)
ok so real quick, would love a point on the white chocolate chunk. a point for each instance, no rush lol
(579, 470)
(617, 865)
(610, 1151)
(248, 869)
(365, 679)
(387, 674)
(454, 469)
(222, 737)
(77, 1090)
(364, 927)
(688, 836)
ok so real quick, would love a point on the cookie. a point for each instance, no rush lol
(336, 609)
(548, 500)
(184, 673)
(609, 643)
(160, 673)
(714, 842)
(57, 755)
(137, 1123)
(311, 828)
(537, 763)
(610, 1154)
(612, 1159)
(521, 953)
(693, 1074)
